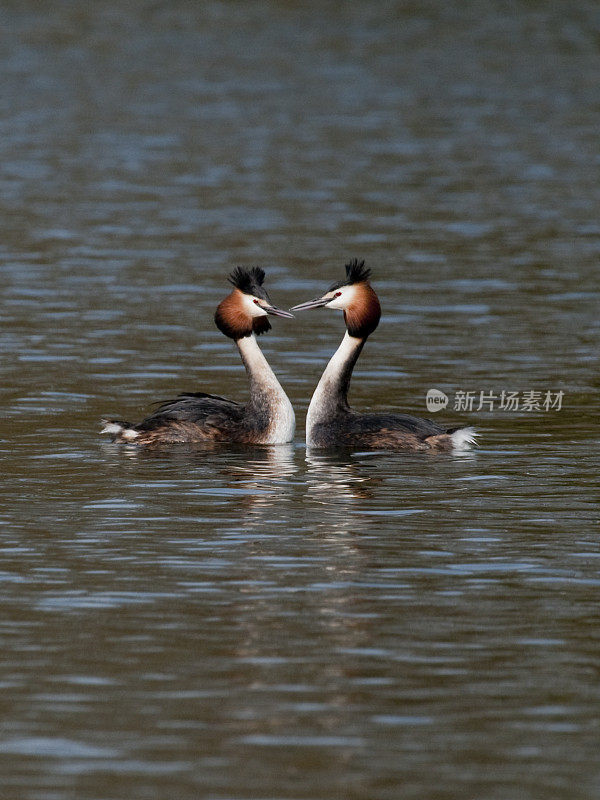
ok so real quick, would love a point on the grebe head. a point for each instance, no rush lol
(355, 297)
(245, 310)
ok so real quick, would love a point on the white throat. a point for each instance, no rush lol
(331, 393)
(266, 393)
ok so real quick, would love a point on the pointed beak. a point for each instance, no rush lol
(320, 301)
(277, 312)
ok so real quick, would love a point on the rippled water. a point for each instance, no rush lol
(266, 623)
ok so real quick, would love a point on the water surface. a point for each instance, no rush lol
(265, 622)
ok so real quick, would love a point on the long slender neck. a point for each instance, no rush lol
(331, 394)
(262, 378)
(269, 406)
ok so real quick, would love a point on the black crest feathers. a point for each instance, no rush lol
(247, 280)
(356, 271)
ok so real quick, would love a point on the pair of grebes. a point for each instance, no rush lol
(268, 417)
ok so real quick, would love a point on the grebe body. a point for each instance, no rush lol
(330, 421)
(197, 417)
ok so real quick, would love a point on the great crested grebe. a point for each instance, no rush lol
(330, 421)
(268, 417)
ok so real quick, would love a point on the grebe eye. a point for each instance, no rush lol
(337, 294)
(256, 301)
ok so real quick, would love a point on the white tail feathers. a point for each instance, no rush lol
(121, 430)
(113, 428)
(464, 438)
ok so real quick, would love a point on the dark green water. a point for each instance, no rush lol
(259, 624)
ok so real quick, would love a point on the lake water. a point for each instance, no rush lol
(267, 624)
